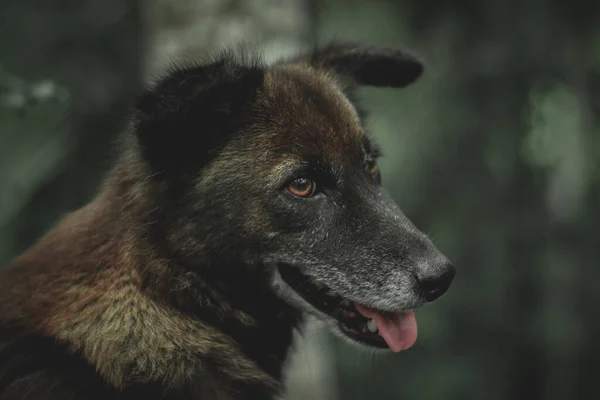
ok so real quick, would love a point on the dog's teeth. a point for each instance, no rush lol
(372, 325)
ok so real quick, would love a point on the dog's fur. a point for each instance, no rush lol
(167, 285)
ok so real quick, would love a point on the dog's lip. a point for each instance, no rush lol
(353, 318)
(349, 301)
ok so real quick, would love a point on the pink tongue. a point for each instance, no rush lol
(399, 331)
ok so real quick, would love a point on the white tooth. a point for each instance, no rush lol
(372, 325)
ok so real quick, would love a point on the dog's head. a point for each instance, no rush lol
(272, 166)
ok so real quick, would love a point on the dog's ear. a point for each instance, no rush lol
(369, 65)
(190, 113)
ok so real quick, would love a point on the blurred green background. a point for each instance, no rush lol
(494, 153)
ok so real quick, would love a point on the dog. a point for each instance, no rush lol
(244, 196)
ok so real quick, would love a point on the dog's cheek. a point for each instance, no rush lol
(257, 221)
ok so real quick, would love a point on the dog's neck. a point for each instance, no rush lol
(235, 299)
(141, 318)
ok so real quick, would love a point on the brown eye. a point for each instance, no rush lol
(302, 187)
(372, 165)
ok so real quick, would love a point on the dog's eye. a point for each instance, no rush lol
(302, 187)
(372, 166)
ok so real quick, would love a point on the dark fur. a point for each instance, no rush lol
(160, 287)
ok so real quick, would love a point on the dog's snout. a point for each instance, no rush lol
(434, 280)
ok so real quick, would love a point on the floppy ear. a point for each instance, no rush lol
(369, 65)
(190, 113)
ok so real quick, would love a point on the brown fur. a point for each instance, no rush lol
(104, 298)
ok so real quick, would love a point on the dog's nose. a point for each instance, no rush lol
(435, 280)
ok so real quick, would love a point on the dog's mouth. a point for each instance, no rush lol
(376, 328)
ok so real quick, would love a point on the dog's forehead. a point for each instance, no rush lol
(310, 116)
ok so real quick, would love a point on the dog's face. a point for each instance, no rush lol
(272, 166)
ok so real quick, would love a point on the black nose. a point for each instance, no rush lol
(435, 280)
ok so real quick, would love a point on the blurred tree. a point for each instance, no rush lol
(191, 29)
(86, 53)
